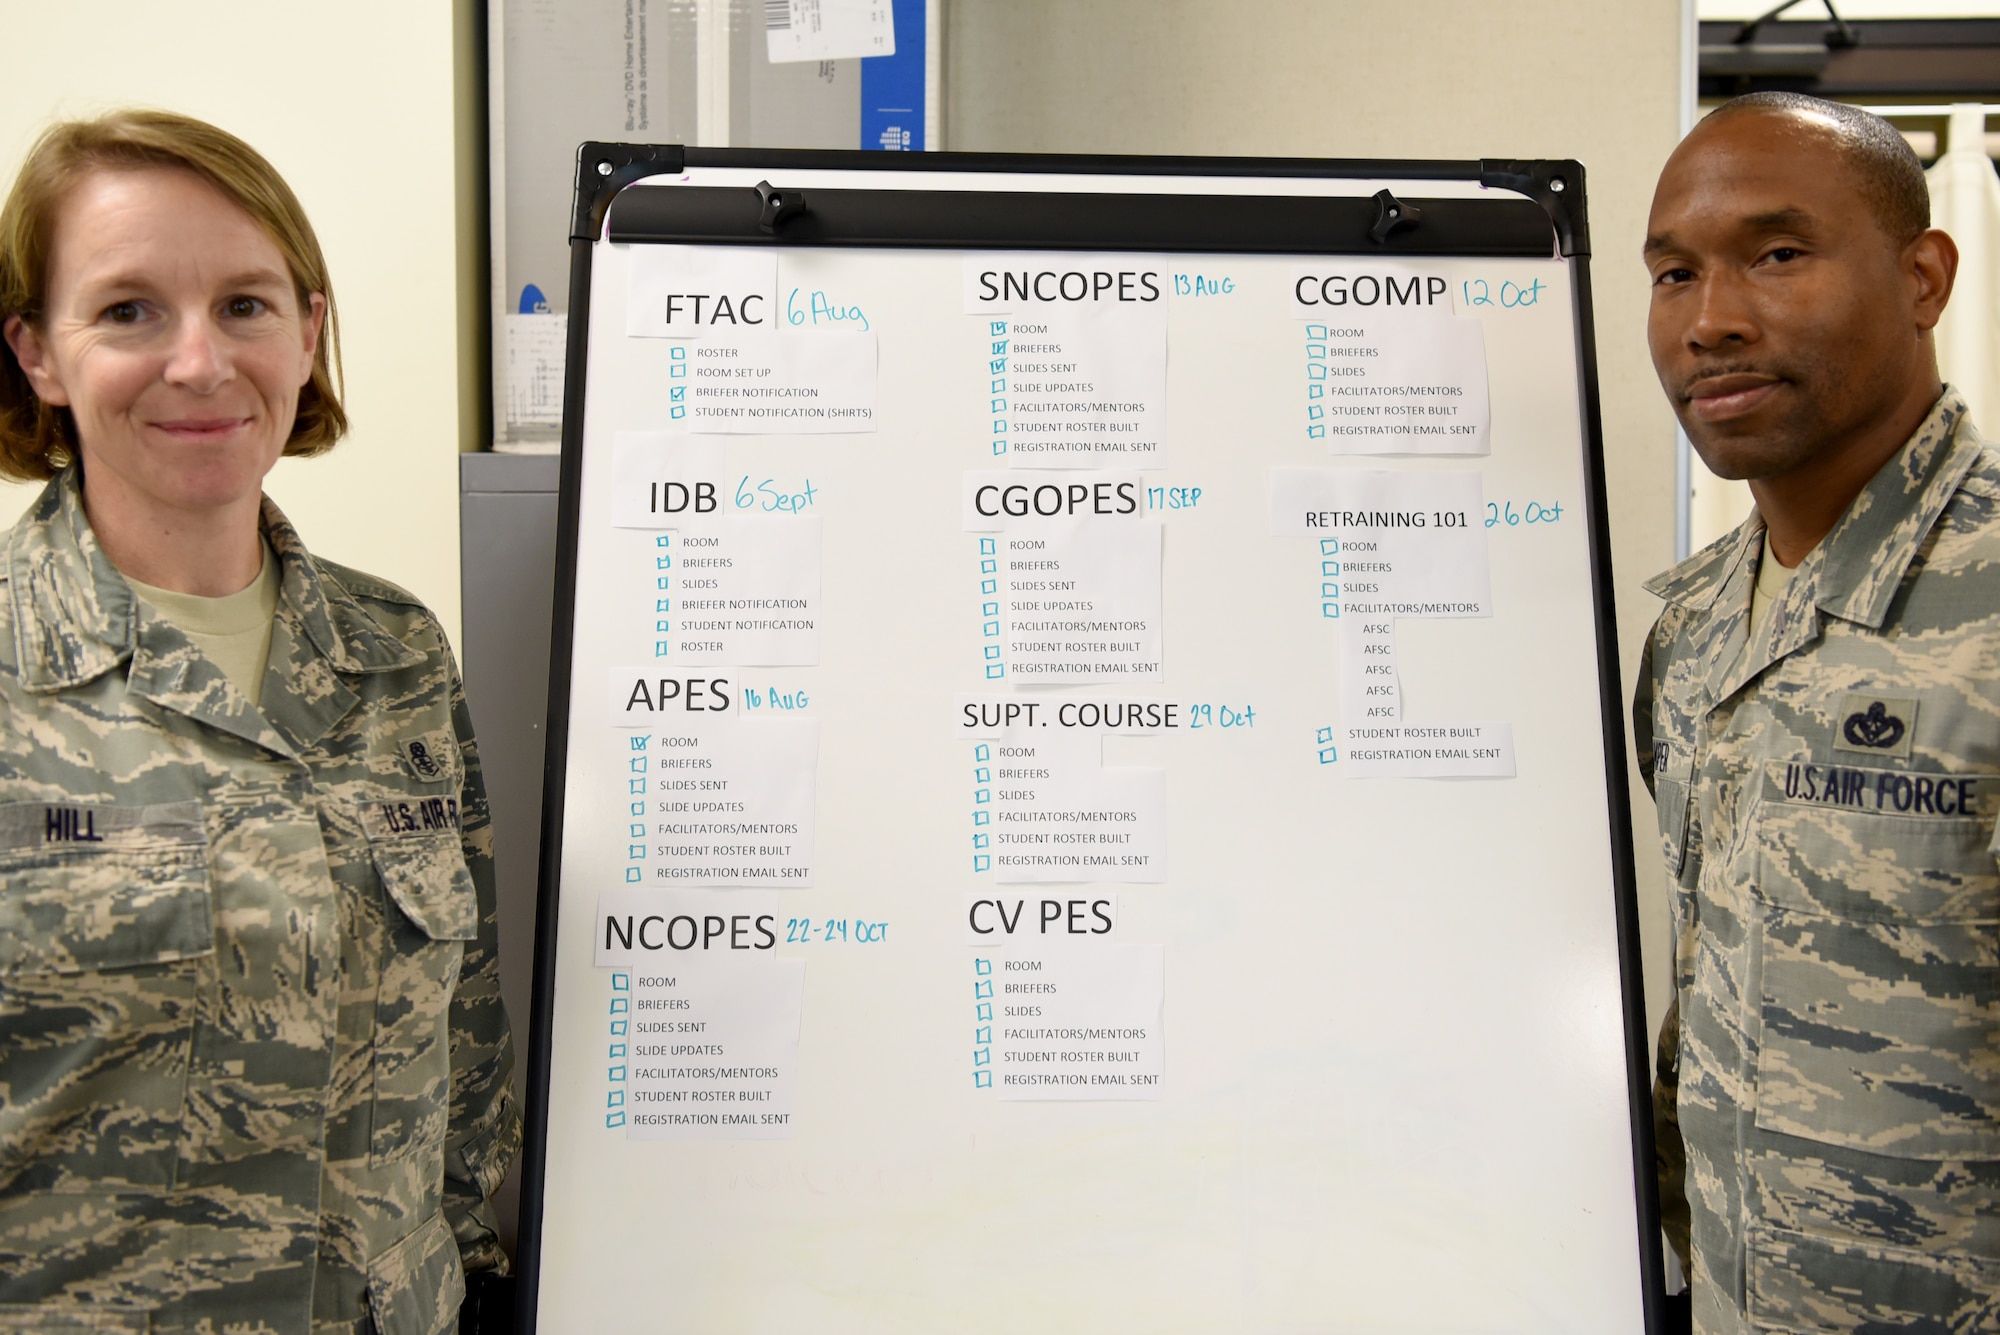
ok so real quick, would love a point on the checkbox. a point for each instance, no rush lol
(981, 967)
(1323, 736)
(1331, 611)
(983, 1037)
(635, 786)
(989, 546)
(1329, 546)
(1328, 755)
(616, 1050)
(989, 609)
(664, 540)
(999, 386)
(992, 652)
(638, 743)
(999, 447)
(997, 406)
(618, 1028)
(664, 562)
(677, 412)
(1315, 391)
(982, 795)
(982, 862)
(989, 567)
(663, 604)
(1315, 349)
(982, 752)
(992, 628)
(1329, 568)
(982, 818)
(615, 1099)
(995, 671)
(989, 585)
(1329, 590)
(985, 1010)
(615, 1073)
(663, 627)
(1314, 412)
(635, 831)
(1000, 347)
(664, 582)
(995, 328)
(677, 394)
(1315, 433)
(635, 850)
(998, 366)
(677, 351)
(637, 764)
(1316, 331)
(981, 774)
(631, 876)
(612, 1121)
(981, 1056)
(980, 840)
(621, 982)
(1315, 371)
(679, 371)
(982, 1079)
(661, 648)
(620, 1006)
(982, 991)
(638, 808)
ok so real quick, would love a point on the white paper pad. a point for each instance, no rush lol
(715, 800)
(1388, 368)
(1070, 1022)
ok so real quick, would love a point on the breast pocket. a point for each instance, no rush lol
(431, 911)
(1879, 981)
(105, 921)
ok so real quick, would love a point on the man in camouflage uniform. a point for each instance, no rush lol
(254, 1069)
(1819, 719)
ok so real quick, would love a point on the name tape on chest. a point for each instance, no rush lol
(31, 825)
(1881, 791)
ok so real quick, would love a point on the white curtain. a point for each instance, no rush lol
(1965, 201)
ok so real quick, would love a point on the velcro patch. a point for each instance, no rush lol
(1875, 725)
(1882, 792)
(430, 758)
(400, 817)
(59, 824)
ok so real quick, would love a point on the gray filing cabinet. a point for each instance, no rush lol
(507, 549)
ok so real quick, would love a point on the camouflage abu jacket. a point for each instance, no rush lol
(1827, 795)
(254, 1069)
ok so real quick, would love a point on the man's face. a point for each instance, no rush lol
(1784, 321)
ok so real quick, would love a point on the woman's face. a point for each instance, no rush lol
(173, 334)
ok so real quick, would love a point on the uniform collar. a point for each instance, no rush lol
(75, 617)
(1854, 572)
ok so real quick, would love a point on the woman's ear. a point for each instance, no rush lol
(33, 354)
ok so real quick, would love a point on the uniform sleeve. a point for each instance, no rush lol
(484, 1137)
(1642, 711)
(1669, 1151)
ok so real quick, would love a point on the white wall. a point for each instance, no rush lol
(1598, 82)
(354, 104)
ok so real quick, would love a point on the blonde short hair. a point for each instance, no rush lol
(36, 439)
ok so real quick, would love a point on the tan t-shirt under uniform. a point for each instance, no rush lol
(233, 630)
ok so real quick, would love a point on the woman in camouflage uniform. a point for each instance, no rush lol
(254, 1069)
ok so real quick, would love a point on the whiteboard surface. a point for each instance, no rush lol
(1396, 1080)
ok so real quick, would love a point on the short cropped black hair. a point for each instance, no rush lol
(1892, 177)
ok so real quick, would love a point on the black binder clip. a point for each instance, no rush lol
(1392, 215)
(779, 205)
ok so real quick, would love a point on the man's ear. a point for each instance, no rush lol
(1930, 262)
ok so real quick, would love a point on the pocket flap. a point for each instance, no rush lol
(1800, 1282)
(417, 1286)
(429, 881)
(85, 888)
